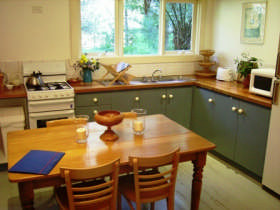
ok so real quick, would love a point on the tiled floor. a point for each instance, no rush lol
(223, 188)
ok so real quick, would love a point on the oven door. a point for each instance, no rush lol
(38, 120)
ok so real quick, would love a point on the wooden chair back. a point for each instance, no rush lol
(151, 186)
(92, 196)
(69, 121)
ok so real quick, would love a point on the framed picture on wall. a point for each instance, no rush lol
(253, 22)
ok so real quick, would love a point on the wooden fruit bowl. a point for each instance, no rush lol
(109, 118)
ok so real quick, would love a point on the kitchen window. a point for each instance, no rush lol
(138, 27)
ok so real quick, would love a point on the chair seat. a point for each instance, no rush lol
(62, 198)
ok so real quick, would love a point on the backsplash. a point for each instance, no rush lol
(140, 70)
(13, 69)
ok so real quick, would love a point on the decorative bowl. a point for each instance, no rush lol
(109, 118)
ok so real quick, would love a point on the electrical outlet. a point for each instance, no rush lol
(37, 9)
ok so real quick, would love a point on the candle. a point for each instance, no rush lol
(138, 125)
(81, 133)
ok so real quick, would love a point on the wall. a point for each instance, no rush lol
(226, 33)
(41, 30)
(34, 30)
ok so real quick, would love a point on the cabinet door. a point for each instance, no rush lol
(178, 105)
(152, 100)
(92, 99)
(203, 111)
(124, 101)
(225, 125)
(91, 110)
(252, 136)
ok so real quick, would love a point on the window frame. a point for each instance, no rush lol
(117, 56)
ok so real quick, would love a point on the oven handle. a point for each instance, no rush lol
(50, 101)
(275, 92)
(43, 114)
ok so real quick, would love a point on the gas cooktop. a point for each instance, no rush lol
(50, 86)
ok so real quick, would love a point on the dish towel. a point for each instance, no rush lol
(37, 162)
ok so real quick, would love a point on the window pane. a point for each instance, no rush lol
(98, 25)
(141, 27)
(178, 26)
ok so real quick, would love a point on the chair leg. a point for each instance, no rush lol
(170, 203)
(138, 206)
(119, 201)
(153, 206)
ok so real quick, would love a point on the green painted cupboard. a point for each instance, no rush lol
(238, 128)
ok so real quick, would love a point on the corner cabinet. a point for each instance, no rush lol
(238, 128)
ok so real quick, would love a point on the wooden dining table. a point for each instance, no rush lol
(161, 135)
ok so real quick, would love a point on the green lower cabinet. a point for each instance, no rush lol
(173, 102)
(202, 121)
(91, 110)
(238, 128)
(124, 101)
(179, 105)
(253, 124)
(225, 125)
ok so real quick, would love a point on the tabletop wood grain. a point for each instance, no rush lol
(161, 135)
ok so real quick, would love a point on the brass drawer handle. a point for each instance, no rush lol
(163, 96)
(233, 108)
(171, 96)
(95, 100)
(137, 98)
(95, 111)
(210, 100)
(240, 111)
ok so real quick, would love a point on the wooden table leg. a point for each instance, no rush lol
(26, 194)
(198, 165)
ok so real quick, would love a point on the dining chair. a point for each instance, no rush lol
(147, 184)
(69, 121)
(90, 188)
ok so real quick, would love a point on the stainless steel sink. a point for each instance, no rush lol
(163, 79)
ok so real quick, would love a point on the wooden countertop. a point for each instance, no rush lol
(233, 89)
(16, 92)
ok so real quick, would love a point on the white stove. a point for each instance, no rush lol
(51, 90)
(52, 100)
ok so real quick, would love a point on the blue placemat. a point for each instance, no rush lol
(37, 162)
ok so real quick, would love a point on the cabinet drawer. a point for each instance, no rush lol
(91, 110)
(93, 99)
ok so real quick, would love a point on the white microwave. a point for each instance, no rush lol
(262, 82)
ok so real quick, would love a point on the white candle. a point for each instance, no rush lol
(81, 133)
(138, 125)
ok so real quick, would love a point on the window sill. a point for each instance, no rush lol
(152, 59)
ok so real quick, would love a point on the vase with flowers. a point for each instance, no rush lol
(86, 66)
(244, 66)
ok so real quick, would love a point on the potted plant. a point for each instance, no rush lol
(86, 66)
(244, 66)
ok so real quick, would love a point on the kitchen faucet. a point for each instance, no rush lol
(153, 74)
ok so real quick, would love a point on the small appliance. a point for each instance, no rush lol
(262, 82)
(225, 74)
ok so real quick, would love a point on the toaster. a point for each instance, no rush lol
(225, 74)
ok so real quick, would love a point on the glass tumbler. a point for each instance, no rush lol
(81, 133)
(138, 124)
